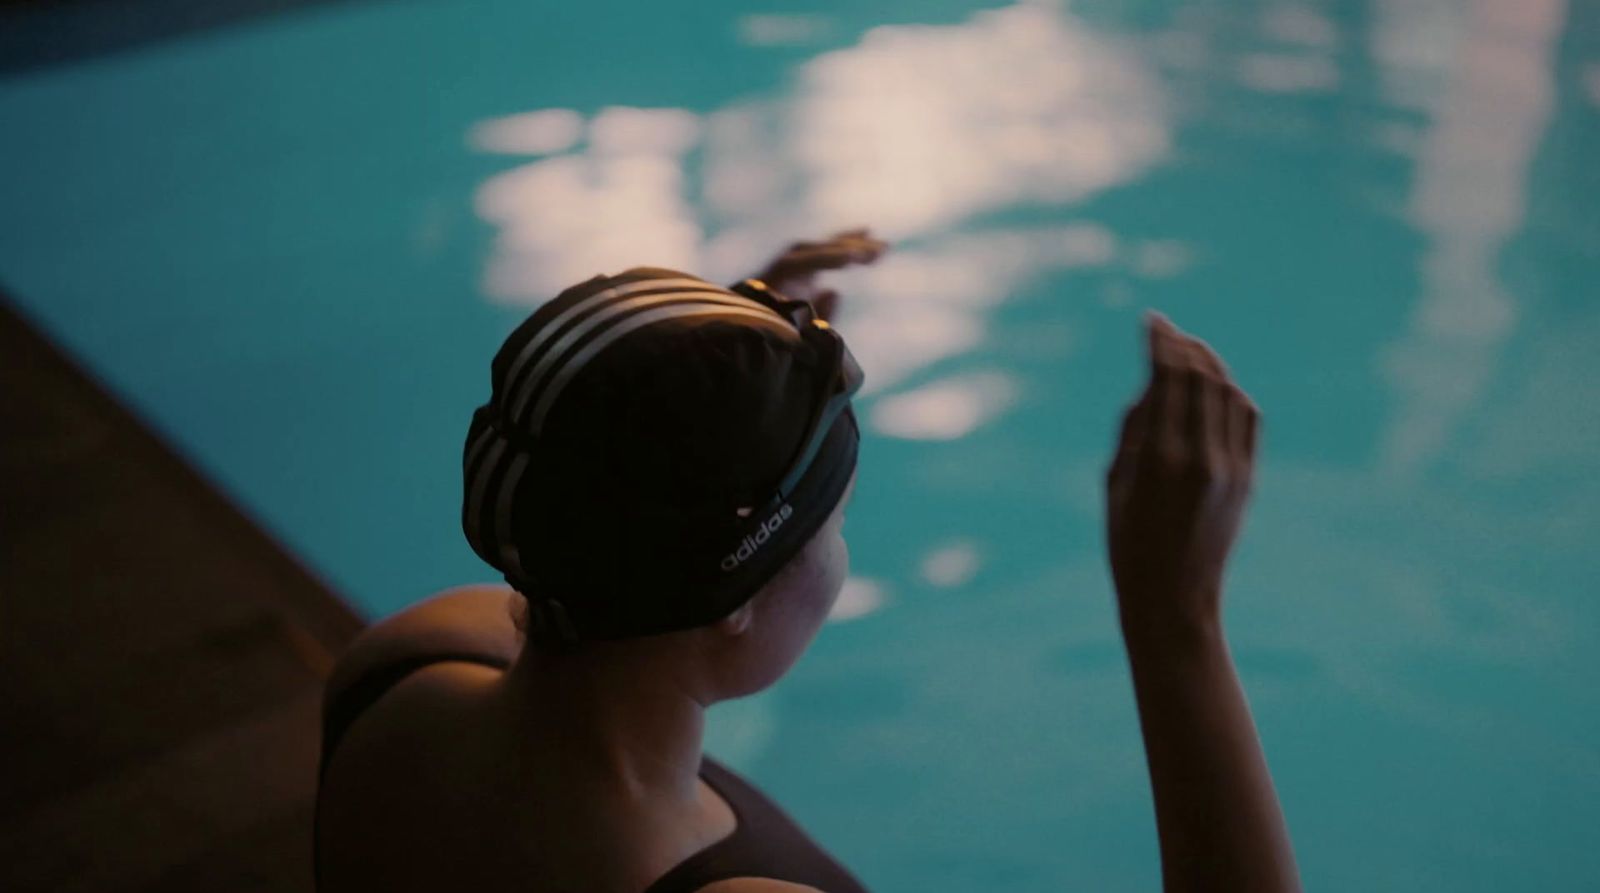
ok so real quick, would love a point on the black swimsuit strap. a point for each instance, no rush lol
(346, 706)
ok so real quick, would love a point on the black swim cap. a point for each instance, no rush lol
(636, 423)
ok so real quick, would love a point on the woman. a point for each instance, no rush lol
(661, 474)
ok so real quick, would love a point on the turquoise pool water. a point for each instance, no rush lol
(294, 244)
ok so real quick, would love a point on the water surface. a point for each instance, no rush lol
(293, 244)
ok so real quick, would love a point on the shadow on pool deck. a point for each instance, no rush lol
(161, 659)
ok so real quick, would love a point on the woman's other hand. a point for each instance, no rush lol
(793, 273)
(1177, 488)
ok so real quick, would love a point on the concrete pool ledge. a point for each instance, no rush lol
(161, 659)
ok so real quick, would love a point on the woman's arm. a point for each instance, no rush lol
(1176, 494)
(1216, 811)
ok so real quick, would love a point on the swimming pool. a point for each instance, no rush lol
(293, 244)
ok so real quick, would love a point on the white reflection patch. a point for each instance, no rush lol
(954, 564)
(916, 131)
(932, 303)
(543, 132)
(1301, 25)
(859, 597)
(566, 218)
(1286, 73)
(892, 347)
(916, 128)
(945, 410)
(1161, 258)
(782, 30)
(1469, 197)
(623, 130)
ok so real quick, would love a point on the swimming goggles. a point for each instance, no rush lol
(833, 390)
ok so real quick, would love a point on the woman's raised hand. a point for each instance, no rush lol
(793, 272)
(1177, 488)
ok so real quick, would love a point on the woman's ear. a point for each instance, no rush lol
(738, 622)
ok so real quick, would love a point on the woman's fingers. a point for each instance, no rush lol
(1202, 448)
(806, 258)
(1168, 413)
(803, 262)
(1239, 411)
(1131, 442)
(1194, 351)
(1252, 431)
(1169, 405)
(1209, 446)
(861, 249)
(1167, 350)
(1198, 414)
(861, 238)
(1156, 328)
(851, 241)
(1207, 359)
(831, 257)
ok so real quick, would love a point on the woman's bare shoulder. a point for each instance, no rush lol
(427, 727)
(406, 774)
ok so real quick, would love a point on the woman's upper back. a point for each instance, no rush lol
(425, 792)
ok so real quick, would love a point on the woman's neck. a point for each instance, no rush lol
(617, 722)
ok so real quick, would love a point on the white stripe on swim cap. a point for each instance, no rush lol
(473, 455)
(549, 329)
(554, 356)
(477, 446)
(510, 555)
(480, 487)
(673, 311)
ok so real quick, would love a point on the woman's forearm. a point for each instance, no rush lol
(1217, 815)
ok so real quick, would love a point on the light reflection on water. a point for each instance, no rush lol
(1380, 213)
(919, 131)
(1469, 198)
(949, 139)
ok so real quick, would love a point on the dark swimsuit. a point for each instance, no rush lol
(766, 843)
